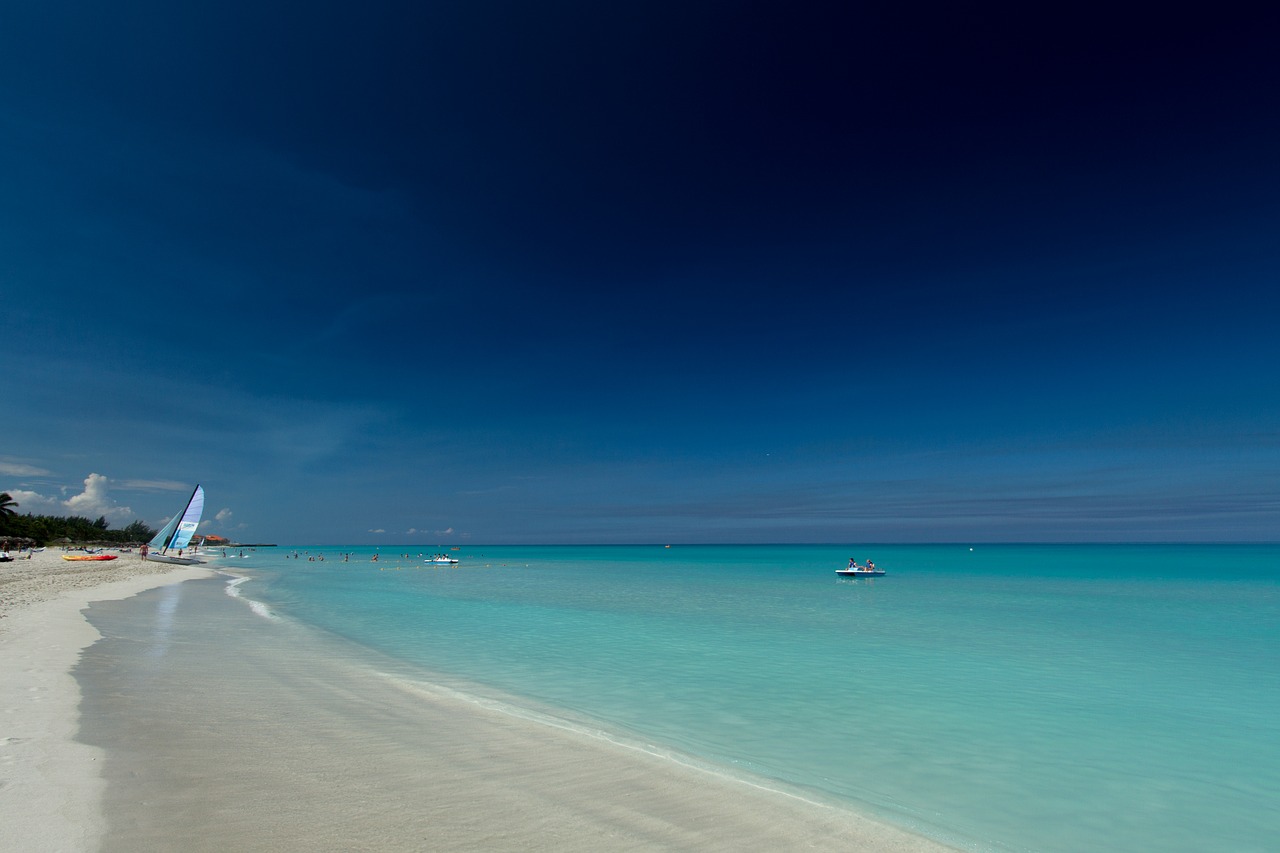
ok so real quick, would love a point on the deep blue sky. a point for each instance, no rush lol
(648, 272)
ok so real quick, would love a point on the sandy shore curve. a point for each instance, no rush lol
(50, 787)
(468, 778)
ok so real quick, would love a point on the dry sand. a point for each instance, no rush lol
(50, 787)
(254, 747)
(46, 576)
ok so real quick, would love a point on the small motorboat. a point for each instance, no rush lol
(442, 558)
(856, 571)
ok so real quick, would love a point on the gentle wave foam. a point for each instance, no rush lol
(233, 589)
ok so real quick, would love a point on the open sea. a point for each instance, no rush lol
(995, 697)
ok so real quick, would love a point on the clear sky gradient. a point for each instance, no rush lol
(488, 272)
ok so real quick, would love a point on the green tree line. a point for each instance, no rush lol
(52, 528)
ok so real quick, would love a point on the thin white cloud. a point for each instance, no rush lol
(224, 515)
(155, 485)
(21, 469)
(377, 530)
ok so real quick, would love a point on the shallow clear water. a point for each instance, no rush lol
(1018, 697)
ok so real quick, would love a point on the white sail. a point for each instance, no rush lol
(166, 533)
(190, 520)
(178, 532)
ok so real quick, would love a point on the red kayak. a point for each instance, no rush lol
(89, 557)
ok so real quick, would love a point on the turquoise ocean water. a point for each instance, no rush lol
(1048, 698)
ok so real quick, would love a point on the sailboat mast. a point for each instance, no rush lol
(180, 515)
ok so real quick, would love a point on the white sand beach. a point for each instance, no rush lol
(256, 747)
(50, 786)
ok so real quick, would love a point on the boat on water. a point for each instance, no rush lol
(442, 558)
(854, 570)
(177, 534)
(88, 558)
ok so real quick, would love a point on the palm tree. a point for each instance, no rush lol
(7, 503)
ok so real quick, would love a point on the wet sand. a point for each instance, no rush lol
(50, 783)
(204, 726)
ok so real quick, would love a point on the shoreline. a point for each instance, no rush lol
(156, 765)
(50, 786)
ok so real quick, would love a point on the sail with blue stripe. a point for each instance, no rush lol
(178, 532)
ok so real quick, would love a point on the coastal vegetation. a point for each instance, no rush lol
(45, 529)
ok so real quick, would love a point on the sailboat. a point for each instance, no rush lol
(178, 532)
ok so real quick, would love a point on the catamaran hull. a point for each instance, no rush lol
(177, 561)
